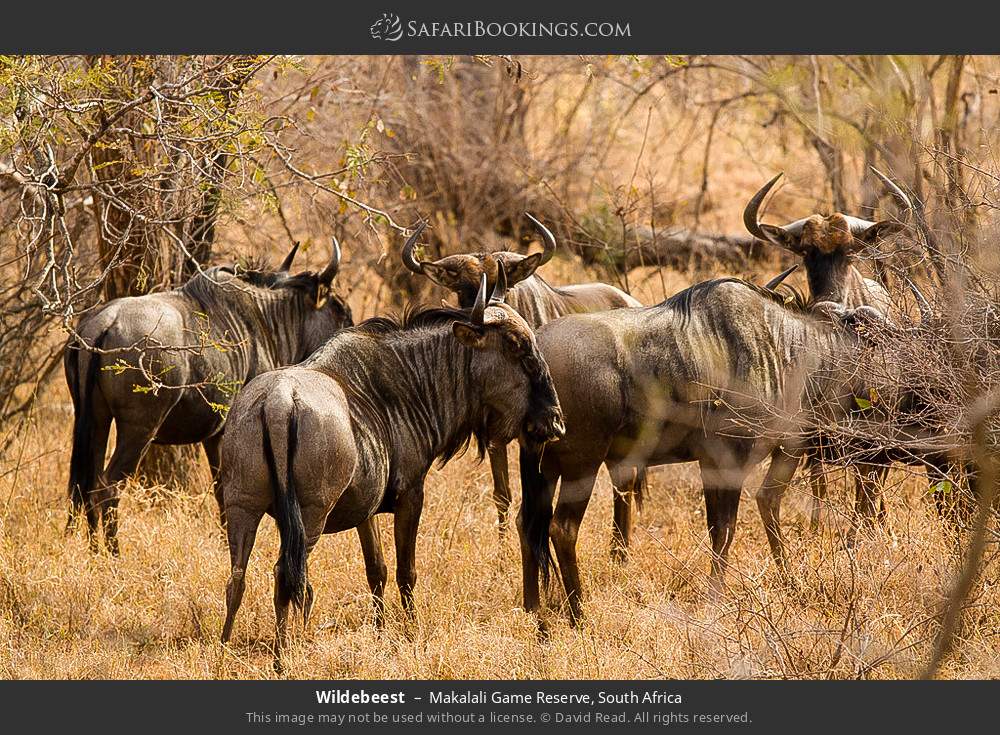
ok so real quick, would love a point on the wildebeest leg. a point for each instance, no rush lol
(818, 485)
(538, 487)
(783, 465)
(371, 547)
(313, 521)
(99, 444)
(625, 479)
(131, 445)
(242, 531)
(407, 518)
(213, 453)
(869, 506)
(501, 486)
(574, 495)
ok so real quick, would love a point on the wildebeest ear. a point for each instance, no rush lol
(878, 231)
(523, 268)
(868, 323)
(469, 335)
(783, 238)
(320, 293)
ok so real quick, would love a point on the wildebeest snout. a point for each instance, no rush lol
(545, 426)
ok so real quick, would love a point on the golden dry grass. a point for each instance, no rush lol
(157, 611)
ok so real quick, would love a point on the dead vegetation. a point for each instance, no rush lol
(156, 612)
(642, 167)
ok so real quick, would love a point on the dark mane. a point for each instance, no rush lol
(787, 297)
(253, 275)
(362, 383)
(230, 285)
(412, 317)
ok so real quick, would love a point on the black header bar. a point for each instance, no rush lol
(514, 27)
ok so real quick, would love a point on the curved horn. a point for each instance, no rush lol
(905, 207)
(409, 260)
(750, 220)
(330, 272)
(776, 281)
(500, 287)
(287, 262)
(547, 237)
(922, 303)
(479, 308)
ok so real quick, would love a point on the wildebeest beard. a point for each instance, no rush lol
(535, 428)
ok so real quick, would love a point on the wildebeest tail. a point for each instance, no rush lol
(641, 486)
(81, 373)
(536, 509)
(288, 513)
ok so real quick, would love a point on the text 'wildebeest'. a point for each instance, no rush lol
(165, 366)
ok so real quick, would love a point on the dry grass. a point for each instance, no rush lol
(157, 611)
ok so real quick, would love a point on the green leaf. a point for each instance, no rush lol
(118, 367)
(943, 487)
(220, 408)
(863, 403)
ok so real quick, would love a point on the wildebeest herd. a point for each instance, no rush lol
(323, 424)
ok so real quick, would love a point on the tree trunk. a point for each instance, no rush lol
(140, 256)
(675, 247)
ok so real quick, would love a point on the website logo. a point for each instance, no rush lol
(387, 28)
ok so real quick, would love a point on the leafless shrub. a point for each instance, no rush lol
(115, 172)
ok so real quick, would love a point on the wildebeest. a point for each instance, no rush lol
(534, 299)
(164, 366)
(325, 445)
(827, 245)
(721, 373)
(921, 423)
